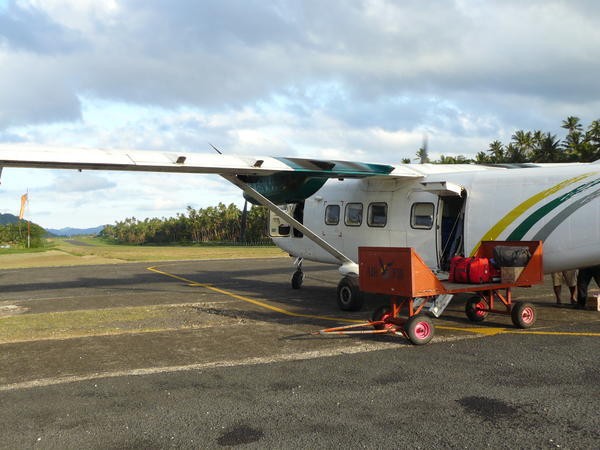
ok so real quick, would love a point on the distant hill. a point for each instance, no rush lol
(75, 231)
(11, 218)
(8, 218)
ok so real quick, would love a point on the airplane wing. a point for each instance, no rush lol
(269, 181)
(20, 155)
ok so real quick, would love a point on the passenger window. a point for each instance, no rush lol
(422, 216)
(377, 216)
(353, 217)
(332, 214)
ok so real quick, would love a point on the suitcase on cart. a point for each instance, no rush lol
(470, 270)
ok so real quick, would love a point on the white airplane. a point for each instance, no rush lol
(324, 210)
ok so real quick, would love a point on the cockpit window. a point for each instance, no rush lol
(421, 216)
(377, 215)
(332, 214)
(354, 212)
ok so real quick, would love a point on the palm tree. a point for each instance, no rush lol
(548, 149)
(515, 154)
(572, 124)
(482, 158)
(523, 141)
(422, 155)
(496, 151)
(593, 136)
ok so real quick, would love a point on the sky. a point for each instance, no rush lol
(342, 79)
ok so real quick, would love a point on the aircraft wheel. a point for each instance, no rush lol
(382, 313)
(523, 315)
(297, 279)
(419, 329)
(474, 307)
(349, 297)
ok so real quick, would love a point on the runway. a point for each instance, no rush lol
(122, 344)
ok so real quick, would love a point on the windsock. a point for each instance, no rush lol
(23, 202)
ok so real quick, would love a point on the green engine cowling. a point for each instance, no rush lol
(283, 188)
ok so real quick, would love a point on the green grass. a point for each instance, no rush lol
(47, 244)
(103, 251)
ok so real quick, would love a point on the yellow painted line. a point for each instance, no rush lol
(479, 330)
(557, 333)
(509, 218)
(488, 331)
(249, 300)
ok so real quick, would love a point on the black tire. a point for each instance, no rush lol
(472, 309)
(378, 315)
(523, 315)
(297, 279)
(419, 329)
(349, 297)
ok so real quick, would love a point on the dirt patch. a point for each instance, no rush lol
(11, 310)
(102, 322)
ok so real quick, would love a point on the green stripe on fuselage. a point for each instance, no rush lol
(518, 233)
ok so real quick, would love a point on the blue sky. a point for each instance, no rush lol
(360, 80)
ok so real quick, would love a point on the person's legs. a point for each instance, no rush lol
(573, 291)
(556, 283)
(596, 274)
(557, 290)
(571, 280)
(583, 280)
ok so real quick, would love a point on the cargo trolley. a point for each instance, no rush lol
(400, 273)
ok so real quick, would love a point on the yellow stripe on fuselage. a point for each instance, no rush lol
(509, 218)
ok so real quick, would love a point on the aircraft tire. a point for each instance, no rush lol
(419, 329)
(523, 314)
(471, 310)
(297, 279)
(349, 297)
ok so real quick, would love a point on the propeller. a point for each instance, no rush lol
(424, 154)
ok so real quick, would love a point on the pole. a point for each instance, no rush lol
(28, 222)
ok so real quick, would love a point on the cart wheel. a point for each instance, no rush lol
(382, 313)
(297, 279)
(474, 307)
(523, 315)
(419, 329)
(349, 297)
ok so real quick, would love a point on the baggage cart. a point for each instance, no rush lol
(401, 273)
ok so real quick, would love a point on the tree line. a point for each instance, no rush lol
(15, 234)
(212, 224)
(536, 146)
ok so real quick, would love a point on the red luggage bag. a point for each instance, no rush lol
(469, 270)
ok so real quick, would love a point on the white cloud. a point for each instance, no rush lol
(80, 182)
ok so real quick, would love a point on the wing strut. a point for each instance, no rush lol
(343, 259)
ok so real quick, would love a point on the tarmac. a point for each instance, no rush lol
(220, 353)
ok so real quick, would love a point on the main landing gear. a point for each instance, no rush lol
(298, 276)
(349, 296)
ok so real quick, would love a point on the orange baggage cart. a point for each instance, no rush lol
(401, 273)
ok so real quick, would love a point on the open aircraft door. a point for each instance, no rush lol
(449, 221)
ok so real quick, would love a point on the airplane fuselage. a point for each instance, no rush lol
(444, 214)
